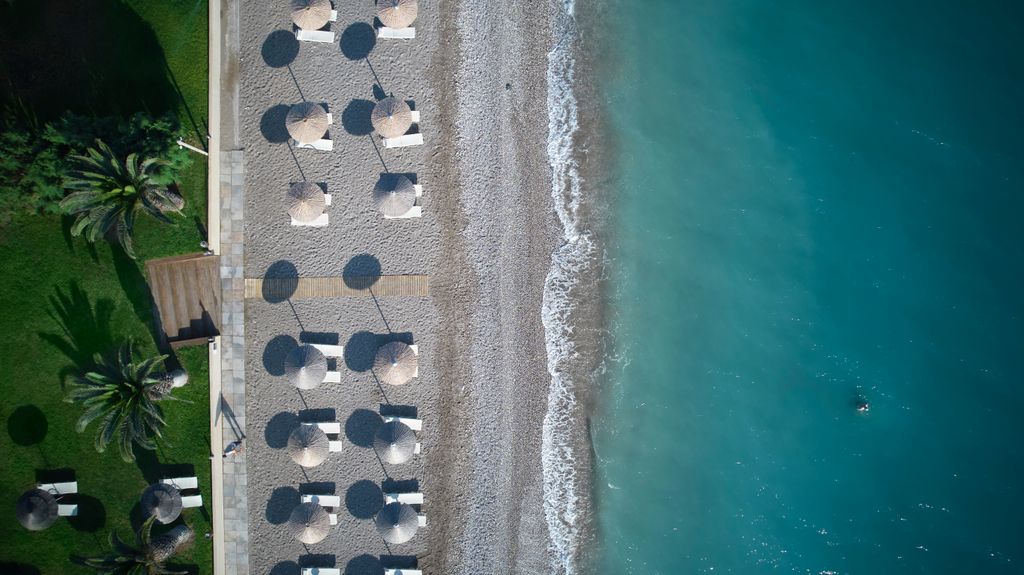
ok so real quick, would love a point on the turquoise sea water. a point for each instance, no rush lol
(817, 201)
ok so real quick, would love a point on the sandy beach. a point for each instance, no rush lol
(486, 238)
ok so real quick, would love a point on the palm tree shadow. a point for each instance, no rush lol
(136, 290)
(84, 327)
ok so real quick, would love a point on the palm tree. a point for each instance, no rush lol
(106, 193)
(147, 557)
(123, 395)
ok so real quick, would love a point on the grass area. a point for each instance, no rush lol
(67, 300)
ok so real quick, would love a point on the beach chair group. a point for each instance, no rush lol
(61, 490)
(334, 352)
(185, 485)
(323, 144)
(336, 571)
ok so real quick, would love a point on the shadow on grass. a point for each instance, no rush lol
(110, 63)
(27, 426)
(84, 327)
(18, 569)
(92, 515)
(136, 290)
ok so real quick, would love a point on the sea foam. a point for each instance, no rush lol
(561, 500)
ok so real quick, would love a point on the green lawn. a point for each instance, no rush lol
(66, 300)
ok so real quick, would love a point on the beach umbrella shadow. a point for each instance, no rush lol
(355, 118)
(360, 351)
(364, 499)
(358, 40)
(286, 568)
(272, 124)
(27, 425)
(274, 353)
(361, 427)
(364, 565)
(92, 515)
(280, 49)
(361, 272)
(279, 506)
(280, 281)
(279, 428)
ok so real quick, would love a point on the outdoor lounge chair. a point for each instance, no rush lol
(423, 520)
(332, 377)
(416, 349)
(415, 116)
(321, 571)
(403, 141)
(403, 572)
(411, 423)
(66, 488)
(182, 483)
(334, 15)
(407, 498)
(320, 222)
(314, 35)
(396, 33)
(64, 510)
(322, 144)
(329, 502)
(330, 350)
(330, 428)
(190, 501)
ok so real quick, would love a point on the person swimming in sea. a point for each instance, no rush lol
(862, 405)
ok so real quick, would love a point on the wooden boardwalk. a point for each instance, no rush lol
(187, 295)
(280, 289)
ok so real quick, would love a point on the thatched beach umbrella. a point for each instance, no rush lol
(308, 445)
(306, 367)
(396, 13)
(162, 501)
(309, 523)
(394, 196)
(395, 363)
(397, 522)
(394, 442)
(391, 117)
(306, 122)
(311, 14)
(36, 510)
(306, 201)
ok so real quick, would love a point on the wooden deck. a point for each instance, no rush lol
(279, 289)
(186, 293)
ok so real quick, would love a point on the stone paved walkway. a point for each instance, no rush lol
(235, 502)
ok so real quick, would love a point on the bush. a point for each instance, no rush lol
(33, 160)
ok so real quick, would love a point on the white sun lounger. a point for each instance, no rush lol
(190, 501)
(330, 118)
(407, 498)
(411, 423)
(414, 212)
(332, 377)
(403, 572)
(415, 116)
(326, 427)
(321, 222)
(396, 33)
(403, 141)
(182, 482)
(66, 488)
(423, 520)
(418, 449)
(322, 144)
(67, 510)
(330, 350)
(321, 571)
(314, 35)
(332, 501)
(330, 428)
(416, 349)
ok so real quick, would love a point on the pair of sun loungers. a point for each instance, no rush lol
(59, 489)
(336, 571)
(186, 484)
